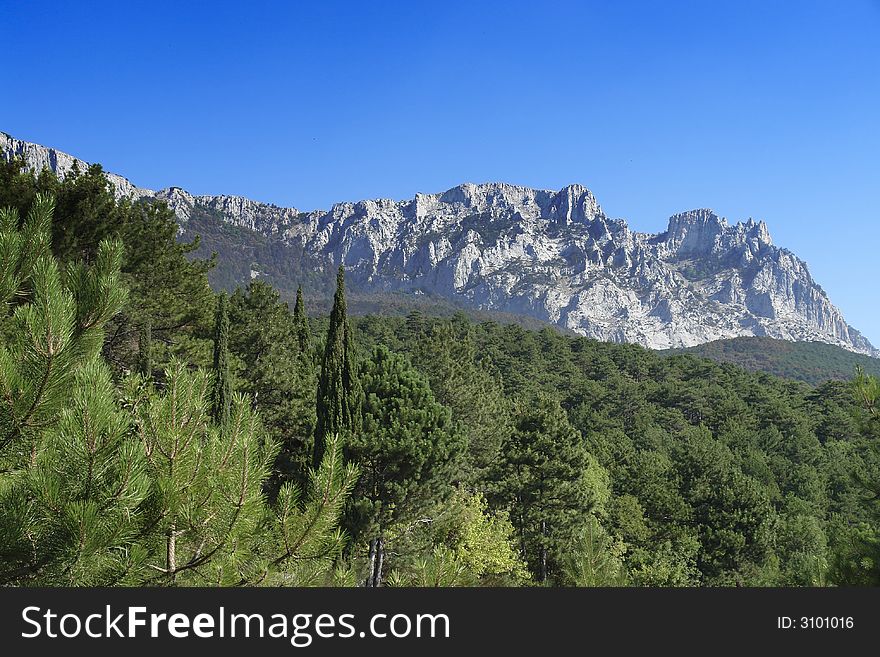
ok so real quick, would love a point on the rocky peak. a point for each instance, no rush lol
(694, 232)
(553, 255)
(575, 204)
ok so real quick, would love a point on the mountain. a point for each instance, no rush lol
(551, 255)
(811, 362)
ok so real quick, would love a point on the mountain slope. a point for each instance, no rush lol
(554, 256)
(811, 362)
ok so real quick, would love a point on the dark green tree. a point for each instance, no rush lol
(221, 387)
(339, 392)
(166, 284)
(549, 483)
(279, 378)
(446, 352)
(301, 323)
(407, 450)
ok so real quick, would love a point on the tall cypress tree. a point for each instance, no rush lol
(301, 322)
(339, 395)
(221, 393)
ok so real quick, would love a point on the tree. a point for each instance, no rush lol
(221, 385)
(306, 533)
(206, 508)
(71, 479)
(166, 285)
(301, 323)
(446, 352)
(859, 560)
(407, 452)
(549, 482)
(594, 558)
(278, 377)
(339, 394)
(484, 542)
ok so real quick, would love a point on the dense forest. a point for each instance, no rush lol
(154, 432)
(812, 362)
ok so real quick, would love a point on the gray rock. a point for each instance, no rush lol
(552, 255)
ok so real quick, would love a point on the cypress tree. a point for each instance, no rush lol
(339, 395)
(145, 350)
(221, 393)
(301, 322)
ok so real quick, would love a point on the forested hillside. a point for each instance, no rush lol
(155, 432)
(813, 362)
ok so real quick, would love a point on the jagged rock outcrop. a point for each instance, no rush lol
(554, 255)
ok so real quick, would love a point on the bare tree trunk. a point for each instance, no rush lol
(172, 551)
(371, 567)
(380, 558)
(376, 561)
(543, 551)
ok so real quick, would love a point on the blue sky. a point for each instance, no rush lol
(762, 109)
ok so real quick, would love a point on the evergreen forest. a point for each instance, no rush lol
(156, 432)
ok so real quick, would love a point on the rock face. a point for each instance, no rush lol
(552, 255)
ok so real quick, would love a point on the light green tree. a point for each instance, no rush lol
(206, 503)
(71, 480)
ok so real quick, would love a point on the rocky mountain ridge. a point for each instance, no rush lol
(553, 255)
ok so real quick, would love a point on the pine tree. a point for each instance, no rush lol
(408, 451)
(306, 532)
(206, 503)
(71, 480)
(165, 282)
(549, 482)
(339, 393)
(278, 377)
(221, 391)
(145, 350)
(446, 352)
(301, 323)
(594, 558)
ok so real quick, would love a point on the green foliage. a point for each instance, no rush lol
(859, 560)
(407, 447)
(440, 568)
(206, 504)
(221, 381)
(549, 483)
(308, 540)
(474, 394)
(280, 379)
(57, 325)
(339, 394)
(165, 284)
(811, 362)
(482, 541)
(70, 480)
(86, 489)
(594, 558)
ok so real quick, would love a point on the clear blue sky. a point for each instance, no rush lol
(762, 109)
